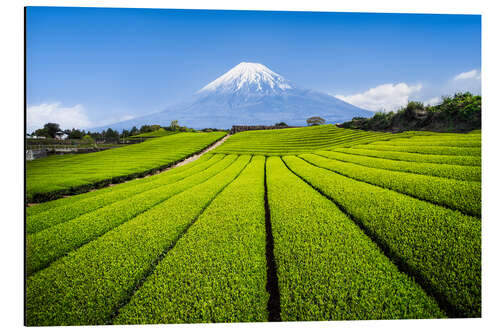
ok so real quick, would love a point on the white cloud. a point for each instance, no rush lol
(473, 74)
(466, 81)
(390, 96)
(387, 97)
(66, 117)
(433, 101)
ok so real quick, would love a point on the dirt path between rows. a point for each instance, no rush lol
(197, 156)
(181, 163)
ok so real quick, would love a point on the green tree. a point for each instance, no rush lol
(41, 132)
(74, 133)
(315, 121)
(88, 139)
(111, 135)
(49, 130)
(174, 125)
(412, 108)
(125, 133)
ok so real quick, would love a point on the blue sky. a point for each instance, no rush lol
(88, 67)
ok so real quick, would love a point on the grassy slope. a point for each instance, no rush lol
(300, 140)
(51, 177)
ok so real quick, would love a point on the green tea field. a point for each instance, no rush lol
(52, 177)
(298, 224)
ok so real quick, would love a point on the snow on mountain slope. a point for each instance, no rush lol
(248, 77)
(250, 94)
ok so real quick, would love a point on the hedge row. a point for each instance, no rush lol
(297, 140)
(414, 157)
(45, 206)
(461, 195)
(44, 247)
(431, 142)
(98, 199)
(89, 285)
(438, 246)
(327, 268)
(458, 172)
(217, 270)
(433, 150)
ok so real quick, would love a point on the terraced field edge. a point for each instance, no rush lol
(53, 195)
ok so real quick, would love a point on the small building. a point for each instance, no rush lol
(61, 135)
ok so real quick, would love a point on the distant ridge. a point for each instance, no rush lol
(249, 94)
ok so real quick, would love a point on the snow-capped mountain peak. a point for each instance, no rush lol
(248, 77)
(250, 94)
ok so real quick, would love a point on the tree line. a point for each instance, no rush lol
(458, 113)
(52, 130)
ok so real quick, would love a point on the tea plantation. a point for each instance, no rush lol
(52, 177)
(298, 224)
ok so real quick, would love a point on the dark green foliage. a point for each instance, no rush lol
(315, 121)
(463, 105)
(49, 130)
(111, 135)
(125, 133)
(458, 113)
(146, 129)
(75, 133)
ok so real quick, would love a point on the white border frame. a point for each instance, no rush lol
(12, 101)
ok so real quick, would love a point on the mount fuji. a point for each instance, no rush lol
(250, 94)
